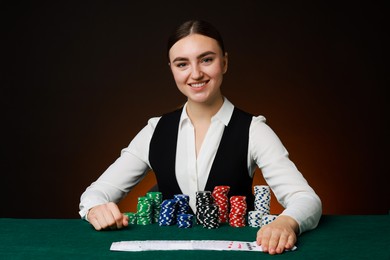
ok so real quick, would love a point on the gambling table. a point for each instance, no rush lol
(336, 237)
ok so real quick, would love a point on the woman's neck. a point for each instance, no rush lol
(203, 111)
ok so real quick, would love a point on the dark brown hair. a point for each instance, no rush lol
(195, 27)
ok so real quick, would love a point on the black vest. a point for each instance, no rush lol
(229, 165)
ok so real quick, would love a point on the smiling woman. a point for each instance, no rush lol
(208, 142)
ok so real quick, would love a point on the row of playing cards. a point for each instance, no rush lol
(219, 245)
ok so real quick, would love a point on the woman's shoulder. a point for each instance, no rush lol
(258, 119)
(153, 121)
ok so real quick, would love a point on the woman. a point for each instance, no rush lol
(208, 142)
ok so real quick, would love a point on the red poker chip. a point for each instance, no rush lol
(237, 198)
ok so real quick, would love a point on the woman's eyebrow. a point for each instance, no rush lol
(205, 54)
(179, 59)
(198, 57)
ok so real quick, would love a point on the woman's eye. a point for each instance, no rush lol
(181, 65)
(207, 60)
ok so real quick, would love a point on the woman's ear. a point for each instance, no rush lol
(225, 62)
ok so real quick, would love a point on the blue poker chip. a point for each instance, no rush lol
(185, 220)
(167, 213)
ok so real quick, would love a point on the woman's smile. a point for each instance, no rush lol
(198, 85)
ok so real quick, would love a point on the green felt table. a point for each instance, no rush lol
(337, 237)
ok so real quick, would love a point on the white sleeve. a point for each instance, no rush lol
(287, 183)
(121, 176)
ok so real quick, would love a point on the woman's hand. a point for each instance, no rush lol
(279, 235)
(107, 216)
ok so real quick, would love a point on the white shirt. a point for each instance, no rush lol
(265, 151)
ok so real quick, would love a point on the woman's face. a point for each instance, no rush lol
(198, 65)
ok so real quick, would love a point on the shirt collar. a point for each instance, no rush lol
(223, 115)
(225, 112)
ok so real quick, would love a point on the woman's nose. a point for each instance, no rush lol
(196, 72)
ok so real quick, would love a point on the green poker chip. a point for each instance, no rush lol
(132, 217)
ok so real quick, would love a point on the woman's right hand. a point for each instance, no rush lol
(107, 216)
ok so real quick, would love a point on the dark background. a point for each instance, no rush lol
(79, 80)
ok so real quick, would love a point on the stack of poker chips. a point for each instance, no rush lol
(185, 220)
(207, 213)
(238, 208)
(262, 199)
(210, 218)
(254, 218)
(203, 198)
(174, 211)
(261, 215)
(220, 196)
(167, 215)
(156, 199)
(182, 203)
(144, 211)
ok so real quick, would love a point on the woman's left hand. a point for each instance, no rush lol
(279, 235)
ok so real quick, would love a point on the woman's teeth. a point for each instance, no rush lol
(198, 85)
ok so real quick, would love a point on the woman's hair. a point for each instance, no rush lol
(195, 27)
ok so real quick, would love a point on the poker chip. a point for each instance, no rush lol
(238, 209)
(267, 219)
(156, 199)
(148, 209)
(210, 218)
(182, 203)
(175, 211)
(262, 199)
(167, 215)
(132, 217)
(144, 206)
(220, 196)
(262, 205)
(202, 198)
(254, 218)
(207, 212)
(185, 220)
(144, 211)
(144, 220)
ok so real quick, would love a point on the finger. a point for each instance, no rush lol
(108, 220)
(117, 216)
(292, 239)
(102, 217)
(93, 218)
(259, 236)
(95, 224)
(273, 242)
(265, 238)
(282, 243)
(125, 220)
